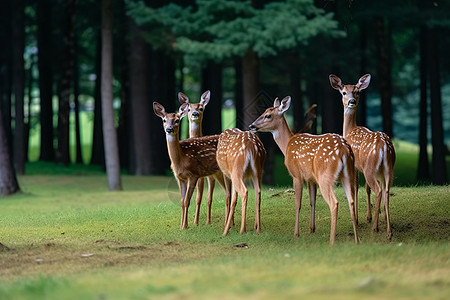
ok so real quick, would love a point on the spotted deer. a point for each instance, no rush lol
(190, 159)
(315, 159)
(195, 117)
(241, 154)
(374, 151)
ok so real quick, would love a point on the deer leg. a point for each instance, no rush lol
(183, 187)
(349, 188)
(375, 186)
(369, 206)
(298, 186)
(330, 198)
(190, 190)
(257, 186)
(211, 184)
(312, 188)
(231, 210)
(198, 199)
(386, 208)
(228, 187)
(355, 194)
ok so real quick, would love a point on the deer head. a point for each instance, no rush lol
(350, 93)
(171, 121)
(270, 120)
(195, 110)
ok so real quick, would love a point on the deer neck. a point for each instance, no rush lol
(174, 148)
(349, 120)
(282, 135)
(195, 129)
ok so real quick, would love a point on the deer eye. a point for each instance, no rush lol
(177, 121)
(268, 116)
(344, 93)
(200, 109)
(164, 120)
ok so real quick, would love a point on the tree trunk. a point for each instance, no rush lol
(238, 94)
(109, 130)
(98, 153)
(423, 169)
(439, 174)
(8, 180)
(383, 36)
(295, 75)
(123, 128)
(45, 65)
(140, 107)
(361, 113)
(250, 84)
(63, 151)
(162, 82)
(18, 77)
(212, 80)
(76, 102)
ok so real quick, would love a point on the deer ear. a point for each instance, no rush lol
(183, 98)
(276, 102)
(205, 98)
(363, 82)
(159, 110)
(335, 82)
(285, 103)
(183, 110)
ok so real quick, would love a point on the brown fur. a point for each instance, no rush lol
(315, 159)
(374, 151)
(190, 159)
(241, 154)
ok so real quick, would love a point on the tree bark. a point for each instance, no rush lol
(295, 75)
(109, 130)
(212, 80)
(63, 151)
(250, 84)
(45, 65)
(140, 107)
(8, 180)
(18, 77)
(383, 36)
(439, 174)
(423, 169)
(98, 153)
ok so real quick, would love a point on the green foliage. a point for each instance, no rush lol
(219, 29)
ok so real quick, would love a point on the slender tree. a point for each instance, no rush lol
(45, 66)
(423, 169)
(8, 180)
(63, 151)
(18, 76)
(109, 130)
(439, 172)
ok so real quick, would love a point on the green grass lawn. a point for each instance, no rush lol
(67, 237)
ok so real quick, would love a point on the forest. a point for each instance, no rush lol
(68, 67)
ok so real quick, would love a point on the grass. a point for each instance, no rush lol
(66, 237)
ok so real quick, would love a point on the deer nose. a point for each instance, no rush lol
(170, 130)
(352, 102)
(195, 114)
(252, 127)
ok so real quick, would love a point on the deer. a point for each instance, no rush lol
(374, 151)
(241, 154)
(314, 159)
(195, 117)
(190, 159)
